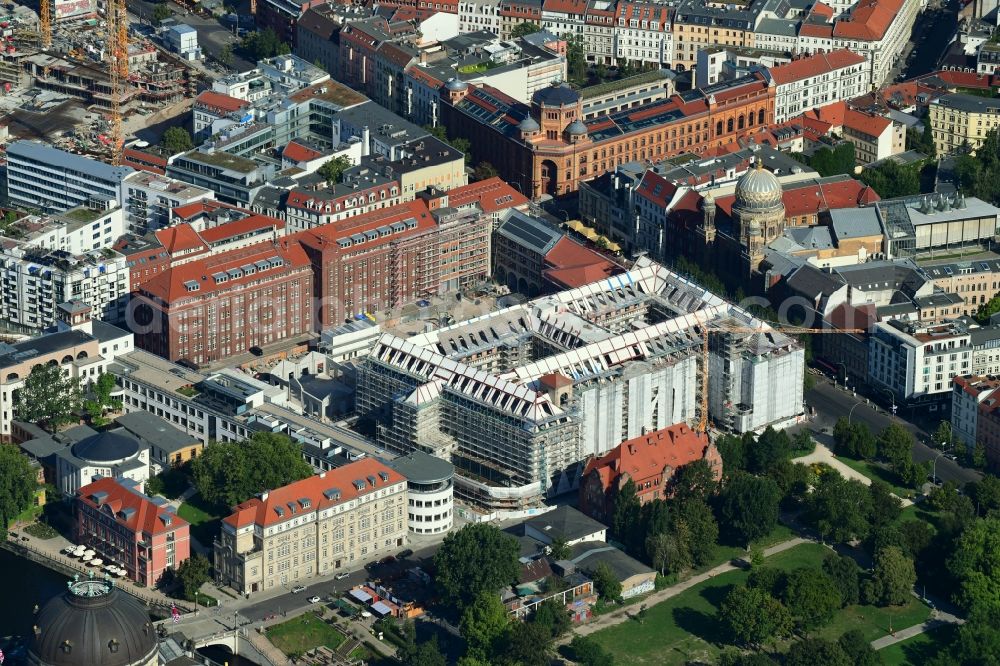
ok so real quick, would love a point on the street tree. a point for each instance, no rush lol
(475, 559)
(816, 652)
(985, 492)
(975, 564)
(49, 397)
(484, 624)
(811, 598)
(333, 170)
(606, 584)
(176, 140)
(228, 473)
(943, 436)
(192, 574)
(161, 13)
(843, 572)
(893, 576)
(895, 445)
(748, 507)
(753, 616)
(17, 484)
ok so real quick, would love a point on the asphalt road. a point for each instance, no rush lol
(832, 402)
(212, 35)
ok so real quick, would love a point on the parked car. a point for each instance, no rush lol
(404, 554)
(314, 600)
(387, 560)
(298, 588)
(342, 575)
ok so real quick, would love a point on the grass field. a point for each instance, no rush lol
(304, 633)
(204, 523)
(873, 471)
(685, 629)
(919, 649)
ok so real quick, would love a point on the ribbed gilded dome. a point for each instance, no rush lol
(758, 189)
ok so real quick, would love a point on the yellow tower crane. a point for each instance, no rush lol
(45, 20)
(113, 55)
(122, 41)
(708, 328)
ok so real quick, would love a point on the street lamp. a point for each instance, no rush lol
(934, 475)
(851, 413)
(892, 396)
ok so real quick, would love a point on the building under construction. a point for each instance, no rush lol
(516, 398)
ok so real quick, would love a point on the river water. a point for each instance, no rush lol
(25, 584)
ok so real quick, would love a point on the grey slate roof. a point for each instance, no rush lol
(854, 223)
(43, 344)
(155, 431)
(812, 282)
(588, 555)
(566, 522)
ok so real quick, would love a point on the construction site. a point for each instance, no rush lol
(518, 397)
(76, 75)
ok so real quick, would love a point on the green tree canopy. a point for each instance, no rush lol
(627, 512)
(753, 616)
(771, 447)
(975, 564)
(428, 653)
(696, 480)
(986, 492)
(527, 644)
(17, 484)
(49, 397)
(176, 140)
(748, 507)
(485, 171)
(895, 445)
(858, 649)
(843, 572)
(607, 585)
(588, 652)
(885, 507)
(522, 29)
(828, 162)
(893, 576)
(668, 552)
(483, 625)
(228, 473)
(840, 509)
(553, 616)
(475, 559)
(333, 169)
(263, 44)
(161, 13)
(700, 528)
(890, 179)
(811, 598)
(816, 652)
(192, 574)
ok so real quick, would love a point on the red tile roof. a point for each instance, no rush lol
(868, 20)
(235, 228)
(572, 265)
(868, 123)
(648, 455)
(816, 30)
(298, 152)
(193, 210)
(821, 9)
(578, 7)
(264, 511)
(331, 233)
(492, 195)
(220, 102)
(170, 285)
(814, 65)
(180, 238)
(656, 189)
(145, 518)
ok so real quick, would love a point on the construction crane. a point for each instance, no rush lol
(45, 21)
(122, 41)
(113, 54)
(707, 328)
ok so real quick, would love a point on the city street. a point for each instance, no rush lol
(832, 402)
(212, 35)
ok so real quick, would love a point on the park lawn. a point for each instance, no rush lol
(919, 649)
(682, 629)
(725, 553)
(874, 622)
(204, 523)
(303, 633)
(873, 471)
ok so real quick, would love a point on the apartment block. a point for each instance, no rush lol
(916, 362)
(128, 528)
(333, 521)
(46, 179)
(968, 398)
(151, 198)
(958, 120)
(816, 80)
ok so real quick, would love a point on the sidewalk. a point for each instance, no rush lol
(622, 615)
(939, 619)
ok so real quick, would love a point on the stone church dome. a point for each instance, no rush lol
(93, 622)
(758, 190)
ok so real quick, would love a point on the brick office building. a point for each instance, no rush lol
(548, 148)
(128, 529)
(212, 308)
(392, 256)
